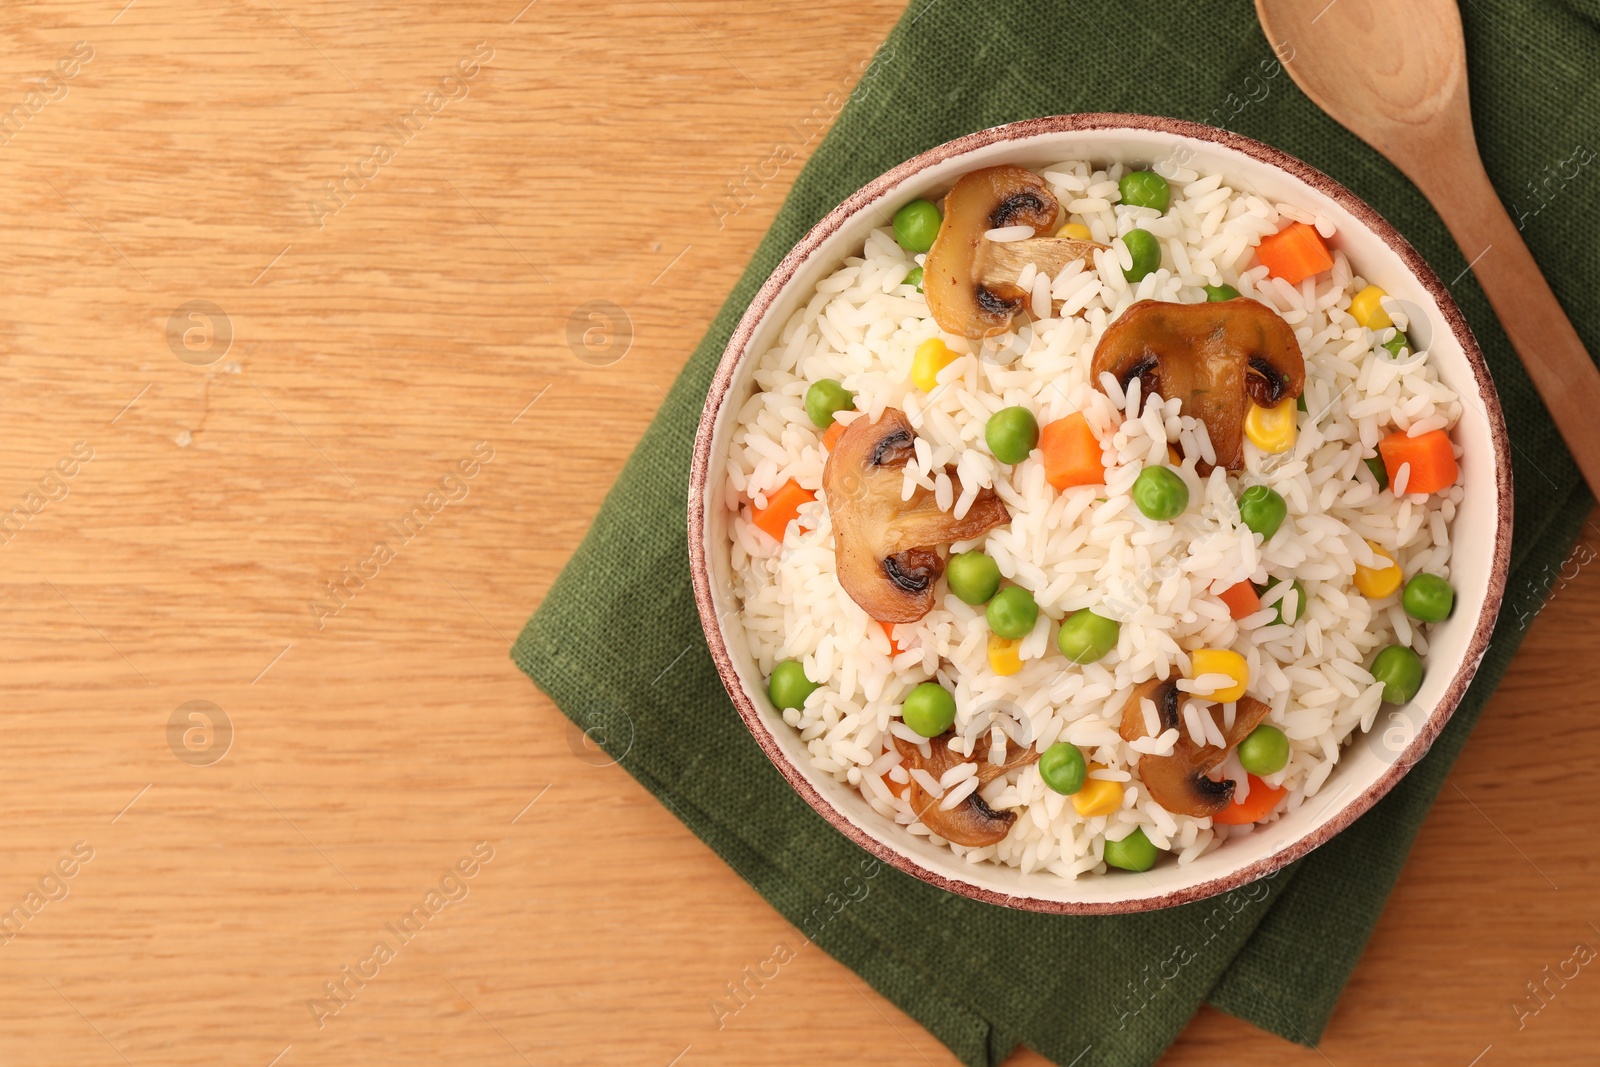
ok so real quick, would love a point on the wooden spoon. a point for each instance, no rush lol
(1395, 75)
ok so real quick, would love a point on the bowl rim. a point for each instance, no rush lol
(761, 304)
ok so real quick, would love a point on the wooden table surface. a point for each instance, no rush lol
(293, 428)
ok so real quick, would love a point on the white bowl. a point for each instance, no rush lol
(1481, 532)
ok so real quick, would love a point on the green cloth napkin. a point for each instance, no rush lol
(617, 643)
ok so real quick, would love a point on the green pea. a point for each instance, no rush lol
(1012, 613)
(1265, 751)
(973, 577)
(1085, 636)
(1299, 600)
(1216, 294)
(824, 399)
(789, 685)
(1145, 188)
(1160, 494)
(1428, 597)
(1263, 510)
(1379, 471)
(1012, 433)
(1300, 403)
(1146, 254)
(916, 225)
(1397, 342)
(1136, 852)
(1400, 671)
(913, 277)
(1063, 769)
(929, 709)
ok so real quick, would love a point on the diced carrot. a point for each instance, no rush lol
(1294, 253)
(783, 507)
(1257, 806)
(831, 438)
(897, 788)
(1432, 459)
(1242, 599)
(1071, 453)
(888, 631)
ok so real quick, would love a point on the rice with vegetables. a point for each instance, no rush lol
(1084, 516)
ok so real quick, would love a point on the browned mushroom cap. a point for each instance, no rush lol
(1181, 782)
(886, 547)
(972, 822)
(971, 282)
(1215, 358)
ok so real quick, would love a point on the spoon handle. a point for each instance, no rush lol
(1532, 318)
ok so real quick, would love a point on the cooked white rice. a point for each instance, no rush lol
(1089, 546)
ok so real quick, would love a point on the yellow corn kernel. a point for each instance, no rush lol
(1075, 230)
(931, 358)
(1221, 661)
(1271, 429)
(1003, 657)
(1173, 457)
(1366, 308)
(1098, 796)
(1376, 583)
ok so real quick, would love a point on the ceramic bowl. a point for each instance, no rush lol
(1374, 761)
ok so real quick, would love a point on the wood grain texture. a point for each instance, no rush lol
(375, 745)
(1416, 111)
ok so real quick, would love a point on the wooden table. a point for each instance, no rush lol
(289, 280)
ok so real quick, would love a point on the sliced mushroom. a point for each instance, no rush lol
(1215, 358)
(970, 281)
(1182, 782)
(887, 548)
(972, 822)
